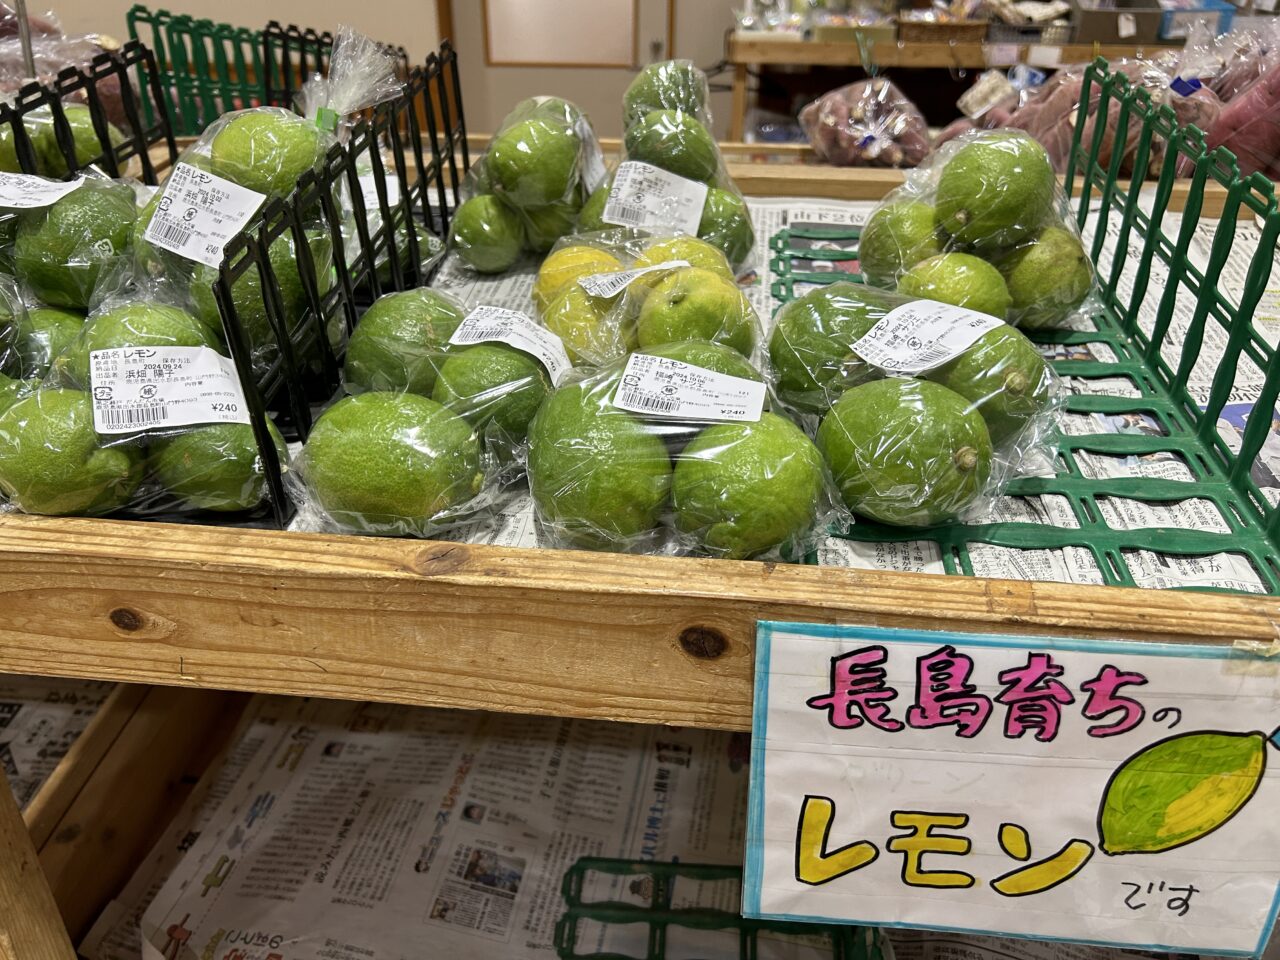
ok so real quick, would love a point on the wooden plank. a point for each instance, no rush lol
(755, 49)
(30, 926)
(57, 794)
(569, 633)
(132, 795)
(738, 112)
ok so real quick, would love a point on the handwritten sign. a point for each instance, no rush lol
(1114, 793)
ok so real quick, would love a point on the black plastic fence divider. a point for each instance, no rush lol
(289, 56)
(87, 85)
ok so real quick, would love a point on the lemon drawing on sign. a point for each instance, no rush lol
(1179, 789)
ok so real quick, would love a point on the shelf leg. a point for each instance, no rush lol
(31, 927)
(738, 122)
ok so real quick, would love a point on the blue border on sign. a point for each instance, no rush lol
(753, 867)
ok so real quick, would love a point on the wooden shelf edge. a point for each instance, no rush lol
(646, 639)
(58, 793)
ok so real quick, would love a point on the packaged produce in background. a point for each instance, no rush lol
(140, 409)
(607, 293)
(51, 160)
(983, 224)
(870, 123)
(922, 409)
(671, 176)
(527, 188)
(675, 449)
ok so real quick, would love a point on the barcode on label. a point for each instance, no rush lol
(135, 416)
(627, 214)
(640, 401)
(475, 334)
(171, 232)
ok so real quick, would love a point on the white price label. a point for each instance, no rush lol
(143, 388)
(921, 335)
(661, 387)
(200, 213)
(25, 191)
(498, 325)
(647, 197)
(1001, 54)
(1041, 55)
(1126, 26)
(369, 189)
(608, 285)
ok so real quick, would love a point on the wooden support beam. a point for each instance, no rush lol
(30, 926)
(569, 633)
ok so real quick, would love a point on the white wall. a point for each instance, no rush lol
(408, 23)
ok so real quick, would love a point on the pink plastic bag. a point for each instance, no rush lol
(866, 124)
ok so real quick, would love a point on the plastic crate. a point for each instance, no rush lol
(1146, 278)
(216, 67)
(648, 897)
(132, 155)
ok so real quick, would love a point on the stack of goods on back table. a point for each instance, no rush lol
(672, 177)
(527, 189)
(870, 123)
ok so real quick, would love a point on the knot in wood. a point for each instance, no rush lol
(126, 619)
(704, 643)
(440, 558)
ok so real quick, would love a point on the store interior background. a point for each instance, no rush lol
(695, 29)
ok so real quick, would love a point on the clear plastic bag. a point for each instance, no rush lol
(397, 464)
(667, 85)
(870, 123)
(110, 431)
(607, 293)
(526, 190)
(717, 475)
(839, 337)
(983, 224)
(38, 333)
(400, 343)
(52, 161)
(59, 250)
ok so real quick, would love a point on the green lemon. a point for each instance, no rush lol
(695, 304)
(87, 145)
(266, 149)
(996, 191)
(543, 226)
(696, 252)
(1048, 277)
(811, 347)
(674, 141)
(568, 265)
(11, 391)
(131, 325)
(669, 85)
(599, 477)
(487, 234)
(391, 463)
(897, 237)
(591, 216)
(53, 463)
(60, 249)
(906, 452)
(44, 333)
(246, 294)
(1004, 376)
(430, 247)
(9, 152)
(401, 341)
(726, 222)
(491, 383)
(744, 488)
(535, 162)
(588, 326)
(214, 467)
(959, 279)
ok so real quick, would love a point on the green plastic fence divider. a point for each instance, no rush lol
(655, 888)
(1145, 263)
(207, 68)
